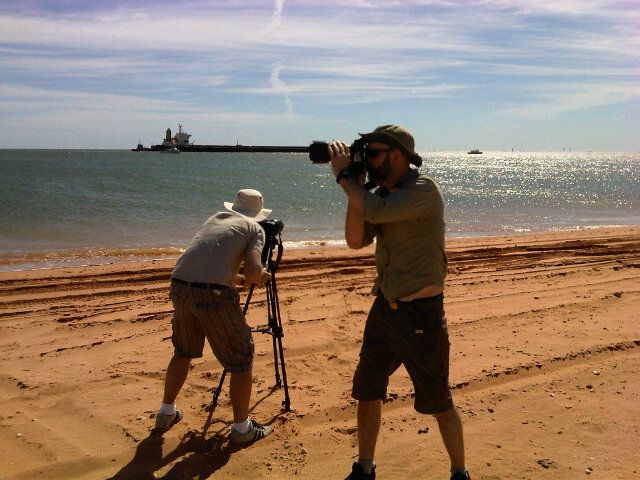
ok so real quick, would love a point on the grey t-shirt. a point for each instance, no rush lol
(216, 252)
(408, 225)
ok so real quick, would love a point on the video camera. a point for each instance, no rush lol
(272, 228)
(319, 153)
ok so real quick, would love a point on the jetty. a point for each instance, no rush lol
(234, 148)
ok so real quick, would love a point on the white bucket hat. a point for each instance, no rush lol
(249, 203)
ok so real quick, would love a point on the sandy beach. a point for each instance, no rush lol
(545, 334)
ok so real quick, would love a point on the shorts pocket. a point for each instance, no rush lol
(426, 318)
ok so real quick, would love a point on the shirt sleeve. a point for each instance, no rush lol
(257, 240)
(403, 204)
(369, 233)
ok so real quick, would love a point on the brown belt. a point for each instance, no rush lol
(199, 285)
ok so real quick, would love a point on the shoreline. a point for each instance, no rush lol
(545, 350)
(91, 256)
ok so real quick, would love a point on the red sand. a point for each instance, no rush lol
(545, 359)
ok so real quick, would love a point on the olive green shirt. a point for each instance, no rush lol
(408, 225)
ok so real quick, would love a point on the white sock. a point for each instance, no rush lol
(242, 427)
(167, 408)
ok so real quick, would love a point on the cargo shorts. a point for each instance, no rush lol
(415, 335)
(214, 314)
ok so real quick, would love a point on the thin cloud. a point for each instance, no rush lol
(21, 97)
(347, 92)
(276, 18)
(279, 88)
(561, 98)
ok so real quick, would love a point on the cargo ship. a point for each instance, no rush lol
(181, 143)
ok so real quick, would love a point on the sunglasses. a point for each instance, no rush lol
(374, 152)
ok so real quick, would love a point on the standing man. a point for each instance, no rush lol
(406, 324)
(207, 304)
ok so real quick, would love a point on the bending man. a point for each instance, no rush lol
(207, 305)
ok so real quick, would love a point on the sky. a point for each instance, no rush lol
(527, 75)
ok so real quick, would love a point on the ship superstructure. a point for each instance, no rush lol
(180, 140)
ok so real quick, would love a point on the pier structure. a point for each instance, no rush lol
(234, 148)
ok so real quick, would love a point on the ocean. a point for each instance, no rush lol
(67, 207)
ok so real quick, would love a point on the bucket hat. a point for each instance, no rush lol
(395, 136)
(249, 203)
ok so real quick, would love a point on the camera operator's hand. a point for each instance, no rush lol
(260, 278)
(341, 160)
(240, 281)
(340, 157)
(264, 278)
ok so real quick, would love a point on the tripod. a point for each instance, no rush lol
(274, 322)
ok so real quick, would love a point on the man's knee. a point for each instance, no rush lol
(181, 360)
(447, 415)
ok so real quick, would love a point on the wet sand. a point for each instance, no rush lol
(544, 368)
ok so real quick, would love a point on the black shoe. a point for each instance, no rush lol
(357, 473)
(461, 476)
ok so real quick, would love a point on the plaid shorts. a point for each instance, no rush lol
(415, 335)
(216, 315)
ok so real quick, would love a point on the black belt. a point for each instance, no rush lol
(198, 284)
(435, 298)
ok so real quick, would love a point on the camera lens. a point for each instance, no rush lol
(319, 152)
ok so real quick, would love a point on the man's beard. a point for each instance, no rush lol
(379, 174)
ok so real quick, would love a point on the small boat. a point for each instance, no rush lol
(475, 151)
(170, 150)
(140, 148)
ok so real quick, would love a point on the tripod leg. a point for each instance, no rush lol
(216, 393)
(286, 402)
(273, 326)
(275, 322)
(275, 362)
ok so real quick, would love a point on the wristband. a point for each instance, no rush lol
(346, 173)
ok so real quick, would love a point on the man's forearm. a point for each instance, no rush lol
(253, 269)
(354, 229)
(355, 192)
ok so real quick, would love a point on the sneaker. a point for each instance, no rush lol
(461, 476)
(357, 473)
(164, 422)
(255, 433)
